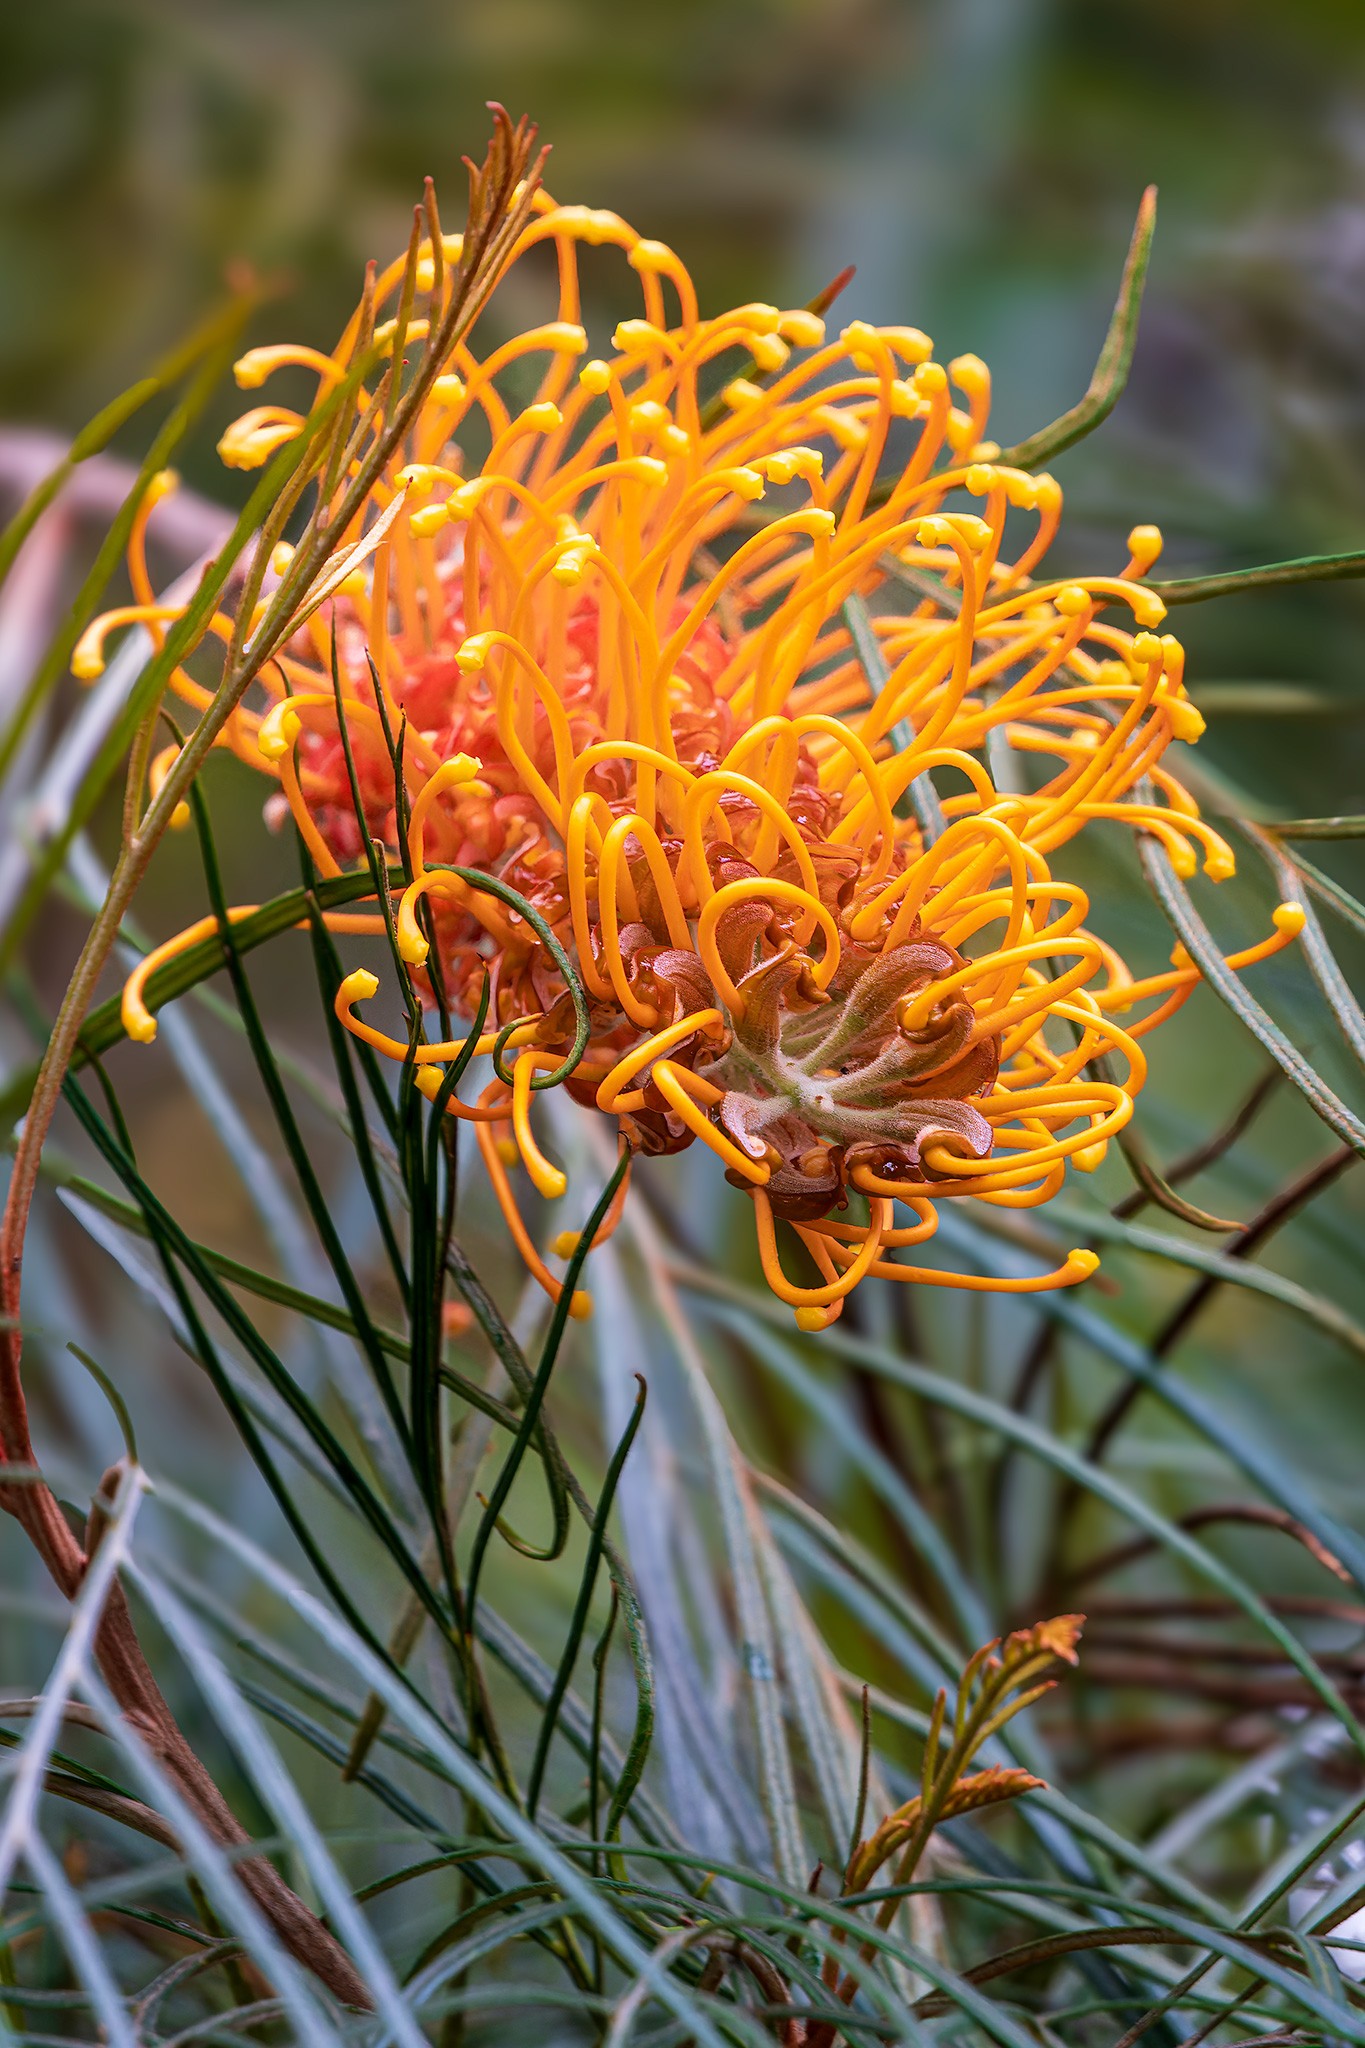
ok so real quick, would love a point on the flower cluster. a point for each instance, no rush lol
(732, 654)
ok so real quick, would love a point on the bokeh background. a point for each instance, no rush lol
(980, 161)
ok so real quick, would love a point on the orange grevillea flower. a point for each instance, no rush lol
(680, 646)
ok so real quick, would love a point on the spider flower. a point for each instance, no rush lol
(733, 654)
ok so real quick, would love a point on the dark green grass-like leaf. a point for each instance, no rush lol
(1203, 949)
(1269, 576)
(1115, 358)
(345, 1048)
(184, 634)
(535, 1398)
(177, 1252)
(579, 1618)
(287, 1124)
(520, 1836)
(1318, 828)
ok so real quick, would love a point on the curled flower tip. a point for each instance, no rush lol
(428, 1080)
(428, 521)
(1187, 723)
(356, 987)
(1289, 919)
(422, 475)
(412, 941)
(472, 653)
(279, 729)
(541, 418)
(156, 776)
(1080, 1264)
(252, 369)
(137, 1019)
(813, 1320)
(252, 440)
(548, 1179)
(87, 660)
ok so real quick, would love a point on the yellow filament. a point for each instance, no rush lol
(1289, 921)
(815, 1297)
(678, 1088)
(548, 1179)
(611, 1094)
(138, 1021)
(359, 985)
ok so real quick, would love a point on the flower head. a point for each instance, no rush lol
(731, 652)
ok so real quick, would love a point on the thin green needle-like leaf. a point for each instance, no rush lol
(920, 800)
(579, 1619)
(1204, 951)
(1322, 961)
(1274, 700)
(1314, 1308)
(183, 636)
(1050, 1450)
(535, 1398)
(282, 1798)
(113, 1397)
(1317, 828)
(595, 1904)
(219, 340)
(558, 1473)
(1115, 357)
(878, 1472)
(286, 1122)
(1329, 891)
(264, 1285)
(177, 1253)
(1161, 1192)
(1270, 576)
(1263, 1465)
(343, 1044)
(104, 1028)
